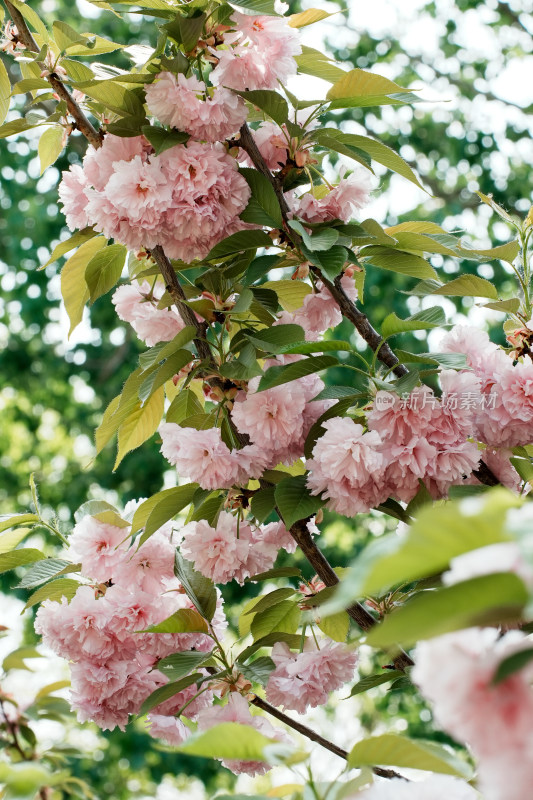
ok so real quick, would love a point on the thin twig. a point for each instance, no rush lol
(315, 737)
(82, 123)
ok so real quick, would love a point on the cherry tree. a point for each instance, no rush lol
(206, 194)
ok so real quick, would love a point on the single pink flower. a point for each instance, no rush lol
(98, 546)
(137, 304)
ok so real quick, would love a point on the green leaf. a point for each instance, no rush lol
(270, 599)
(113, 96)
(186, 30)
(276, 338)
(258, 670)
(511, 664)
(254, 7)
(313, 62)
(186, 620)
(50, 146)
(74, 289)
(467, 286)
(291, 294)
(161, 507)
(5, 92)
(167, 691)
(330, 261)
(164, 373)
(275, 376)
(423, 320)
(140, 425)
(434, 539)
(15, 660)
(291, 639)
(8, 521)
(185, 404)
(263, 207)
(229, 740)
(307, 17)
(278, 572)
(283, 617)
(55, 590)
(162, 140)
(510, 306)
(42, 572)
(294, 500)
(263, 503)
(375, 680)
(65, 36)
(200, 590)
(336, 626)
(15, 126)
(104, 270)
(237, 242)
(360, 88)
(165, 349)
(392, 750)
(69, 244)
(495, 598)
(398, 261)
(18, 558)
(322, 240)
(177, 665)
(270, 102)
(10, 540)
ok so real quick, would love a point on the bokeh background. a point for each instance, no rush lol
(473, 66)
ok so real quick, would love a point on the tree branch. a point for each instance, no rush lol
(315, 737)
(327, 574)
(82, 123)
(360, 321)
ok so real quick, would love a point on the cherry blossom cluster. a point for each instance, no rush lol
(113, 662)
(233, 549)
(186, 199)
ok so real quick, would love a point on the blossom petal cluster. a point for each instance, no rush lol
(260, 53)
(138, 304)
(102, 631)
(409, 439)
(455, 673)
(233, 549)
(434, 787)
(304, 680)
(186, 104)
(186, 199)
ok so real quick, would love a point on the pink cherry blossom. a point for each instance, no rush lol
(237, 710)
(217, 552)
(303, 680)
(98, 546)
(455, 672)
(517, 391)
(342, 202)
(347, 467)
(184, 103)
(497, 460)
(170, 729)
(451, 465)
(148, 566)
(200, 455)
(98, 165)
(400, 419)
(137, 304)
(261, 54)
(408, 464)
(72, 195)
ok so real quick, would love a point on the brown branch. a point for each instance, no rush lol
(82, 123)
(327, 574)
(315, 737)
(348, 309)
